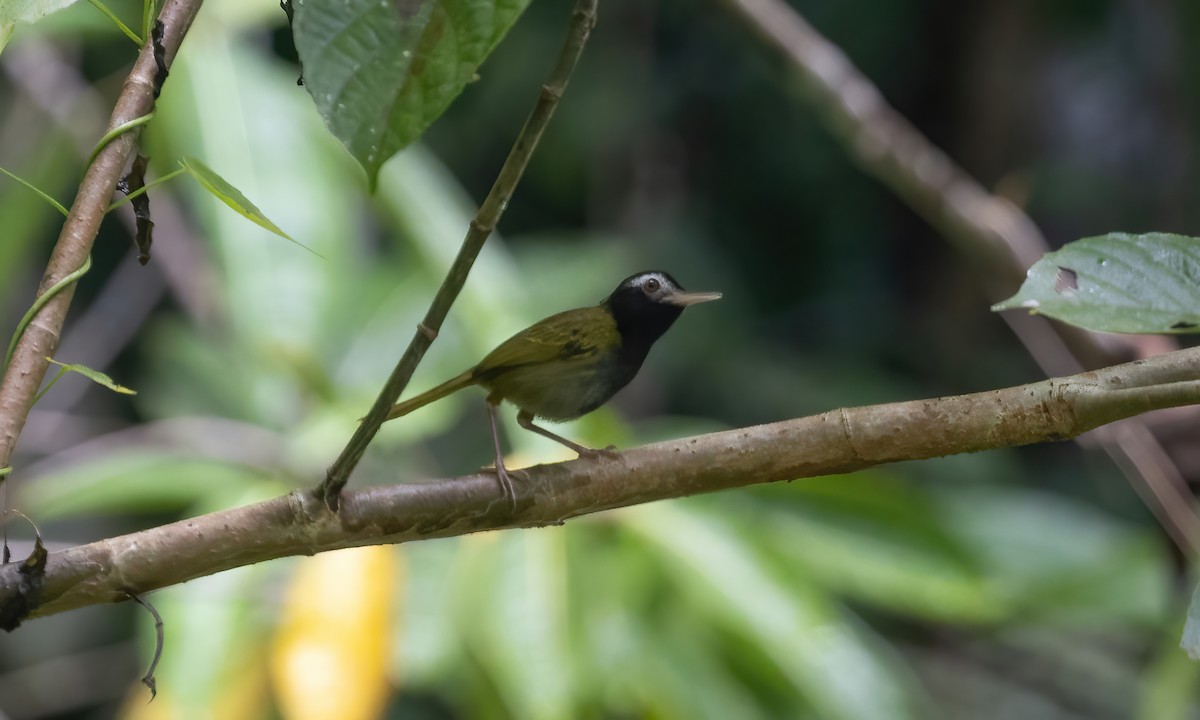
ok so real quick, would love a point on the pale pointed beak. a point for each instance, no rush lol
(683, 299)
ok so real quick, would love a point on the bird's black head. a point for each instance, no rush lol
(646, 304)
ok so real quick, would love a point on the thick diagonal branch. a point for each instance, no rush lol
(24, 374)
(838, 441)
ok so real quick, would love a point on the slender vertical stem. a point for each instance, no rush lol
(583, 19)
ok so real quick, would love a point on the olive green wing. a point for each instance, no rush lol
(574, 334)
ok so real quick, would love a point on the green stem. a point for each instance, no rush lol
(148, 8)
(38, 304)
(142, 190)
(54, 380)
(57, 205)
(583, 19)
(116, 133)
(112, 16)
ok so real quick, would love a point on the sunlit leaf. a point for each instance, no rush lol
(381, 73)
(330, 656)
(131, 481)
(525, 646)
(231, 196)
(1118, 283)
(95, 376)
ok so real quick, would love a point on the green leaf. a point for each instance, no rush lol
(525, 648)
(1050, 558)
(130, 480)
(1190, 642)
(26, 11)
(830, 660)
(1118, 283)
(381, 72)
(231, 196)
(30, 11)
(95, 376)
(1169, 684)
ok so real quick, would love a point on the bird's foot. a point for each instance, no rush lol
(508, 493)
(606, 453)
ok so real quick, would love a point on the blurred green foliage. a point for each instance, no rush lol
(1014, 584)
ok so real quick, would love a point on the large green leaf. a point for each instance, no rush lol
(1118, 283)
(382, 72)
(831, 660)
(136, 480)
(25, 11)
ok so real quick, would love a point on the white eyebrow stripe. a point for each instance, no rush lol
(640, 280)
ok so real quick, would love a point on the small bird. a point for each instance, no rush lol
(569, 364)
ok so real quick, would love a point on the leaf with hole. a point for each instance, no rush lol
(1118, 283)
(381, 72)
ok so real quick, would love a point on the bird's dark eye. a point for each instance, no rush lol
(651, 285)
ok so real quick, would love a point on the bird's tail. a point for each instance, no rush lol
(452, 385)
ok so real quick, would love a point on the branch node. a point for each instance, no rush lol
(844, 415)
(479, 227)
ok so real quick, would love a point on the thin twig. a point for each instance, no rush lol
(838, 441)
(148, 679)
(583, 19)
(977, 223)
(25, 372)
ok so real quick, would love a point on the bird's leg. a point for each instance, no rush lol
(525, 420)
(506, 485)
